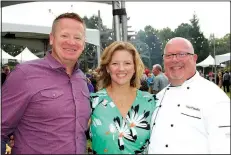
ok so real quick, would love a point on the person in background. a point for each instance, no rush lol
(45, 102)
(5, 73)
(160, 80)
(225, 79)
(94, 80)
(194, 114)
(90, 86)
(121, 113)
(220, 79)
(150, 81)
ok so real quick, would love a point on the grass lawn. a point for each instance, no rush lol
(228, 94)
(88, 146)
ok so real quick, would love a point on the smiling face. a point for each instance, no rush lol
(179, 69)
(121, 67)
(67, 40)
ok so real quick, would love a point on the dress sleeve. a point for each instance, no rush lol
(95, 99)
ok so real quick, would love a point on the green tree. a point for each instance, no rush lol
(143, 50)
(183, 30)
(141, 35)
(13, 50)
(149, 41)
(89, 56)
(154, 45)
(164, 35)
(222, 45)
(200, 43)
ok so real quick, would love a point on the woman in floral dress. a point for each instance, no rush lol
(121, 114)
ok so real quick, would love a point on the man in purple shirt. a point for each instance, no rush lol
(45, 102)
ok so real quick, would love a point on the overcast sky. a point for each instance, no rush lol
(214, 16)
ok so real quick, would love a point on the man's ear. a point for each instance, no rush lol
(51, 38)
(195, 57)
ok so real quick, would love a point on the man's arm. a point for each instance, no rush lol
(219, 128)
(14, 102)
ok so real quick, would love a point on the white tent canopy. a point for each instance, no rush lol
(92, 35)
(222, 58)
(6, 55)
(26, 55)
(24, 33)
(207, 62)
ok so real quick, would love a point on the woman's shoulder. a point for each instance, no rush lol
(144, 94)
(97, 97)
(100, 93)
(147, 100)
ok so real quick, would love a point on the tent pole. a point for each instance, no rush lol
(214, 52)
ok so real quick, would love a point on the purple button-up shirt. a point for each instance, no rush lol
(47, 110)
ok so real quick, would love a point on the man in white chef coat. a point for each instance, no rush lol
(193, 114)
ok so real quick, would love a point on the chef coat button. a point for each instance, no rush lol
(171, 125)
(187, 87)
(166, 145)
(154, 124)
(167, 88)
(178, 105)
(160, 105)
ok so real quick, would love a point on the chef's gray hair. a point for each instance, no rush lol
(191, 49)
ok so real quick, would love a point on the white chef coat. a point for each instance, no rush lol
(190, 119)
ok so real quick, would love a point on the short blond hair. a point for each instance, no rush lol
(104, 79)
(71, 15)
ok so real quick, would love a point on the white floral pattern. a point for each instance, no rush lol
(118, 133)
(123, 132)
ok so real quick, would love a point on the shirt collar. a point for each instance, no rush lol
(55, 64)
(189, 80)
(192, 78)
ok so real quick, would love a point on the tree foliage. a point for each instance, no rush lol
(190, 31)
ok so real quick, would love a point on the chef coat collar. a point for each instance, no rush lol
(189, 80)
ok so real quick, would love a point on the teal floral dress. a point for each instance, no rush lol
(111, 133)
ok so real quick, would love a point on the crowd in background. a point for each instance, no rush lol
(153, 85)
(148, 81)
(152, 81)
(223, 79)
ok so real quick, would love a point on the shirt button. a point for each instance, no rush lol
(166, 145)
(187, 87)
(171, 125)
(167, 88)
(54, 95)
(178, 105)
(154, 124)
